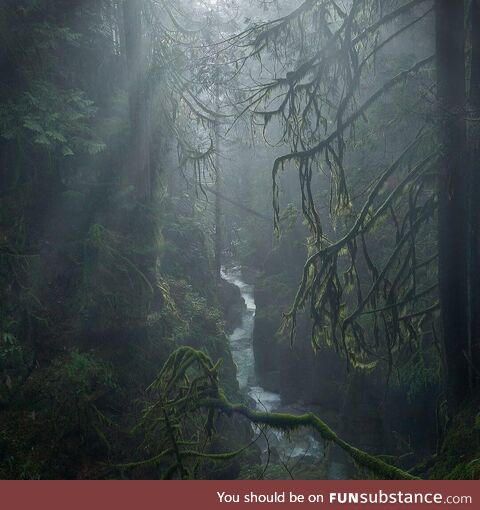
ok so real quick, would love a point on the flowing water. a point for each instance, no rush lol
(300, 444)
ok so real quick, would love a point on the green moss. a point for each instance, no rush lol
(459, 458)
(188, 387)
(288, 422)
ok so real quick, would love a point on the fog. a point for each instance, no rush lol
(239, 239)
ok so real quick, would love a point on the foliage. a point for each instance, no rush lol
(101, 285)
(459, 456)
(52, 118)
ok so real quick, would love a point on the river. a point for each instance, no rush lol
(292, 447)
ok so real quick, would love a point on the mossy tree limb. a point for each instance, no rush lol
(288, 422)
(187, 388)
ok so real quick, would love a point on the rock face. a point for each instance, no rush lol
(232, 304)
(362, 422)
(355, 403)
(295, 371)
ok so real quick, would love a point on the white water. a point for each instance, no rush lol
(241, 339)
(241, 345)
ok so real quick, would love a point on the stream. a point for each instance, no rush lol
(297, 445)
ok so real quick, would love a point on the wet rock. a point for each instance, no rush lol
(232, 304)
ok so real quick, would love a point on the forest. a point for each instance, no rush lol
(239, 239)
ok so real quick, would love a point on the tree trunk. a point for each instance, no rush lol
(218, 183)
(218, 207)
(453, 232)
(474, 163)
(139, 150)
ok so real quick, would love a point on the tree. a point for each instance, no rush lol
(330, 87)
(453, 235)
(138, 95)
(218, 170)
(473, 134)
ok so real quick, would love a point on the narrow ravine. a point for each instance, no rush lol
(297, 445)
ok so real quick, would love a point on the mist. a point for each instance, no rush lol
(239, 239)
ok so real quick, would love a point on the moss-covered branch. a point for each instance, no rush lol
(187, 385)
(287, 422)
